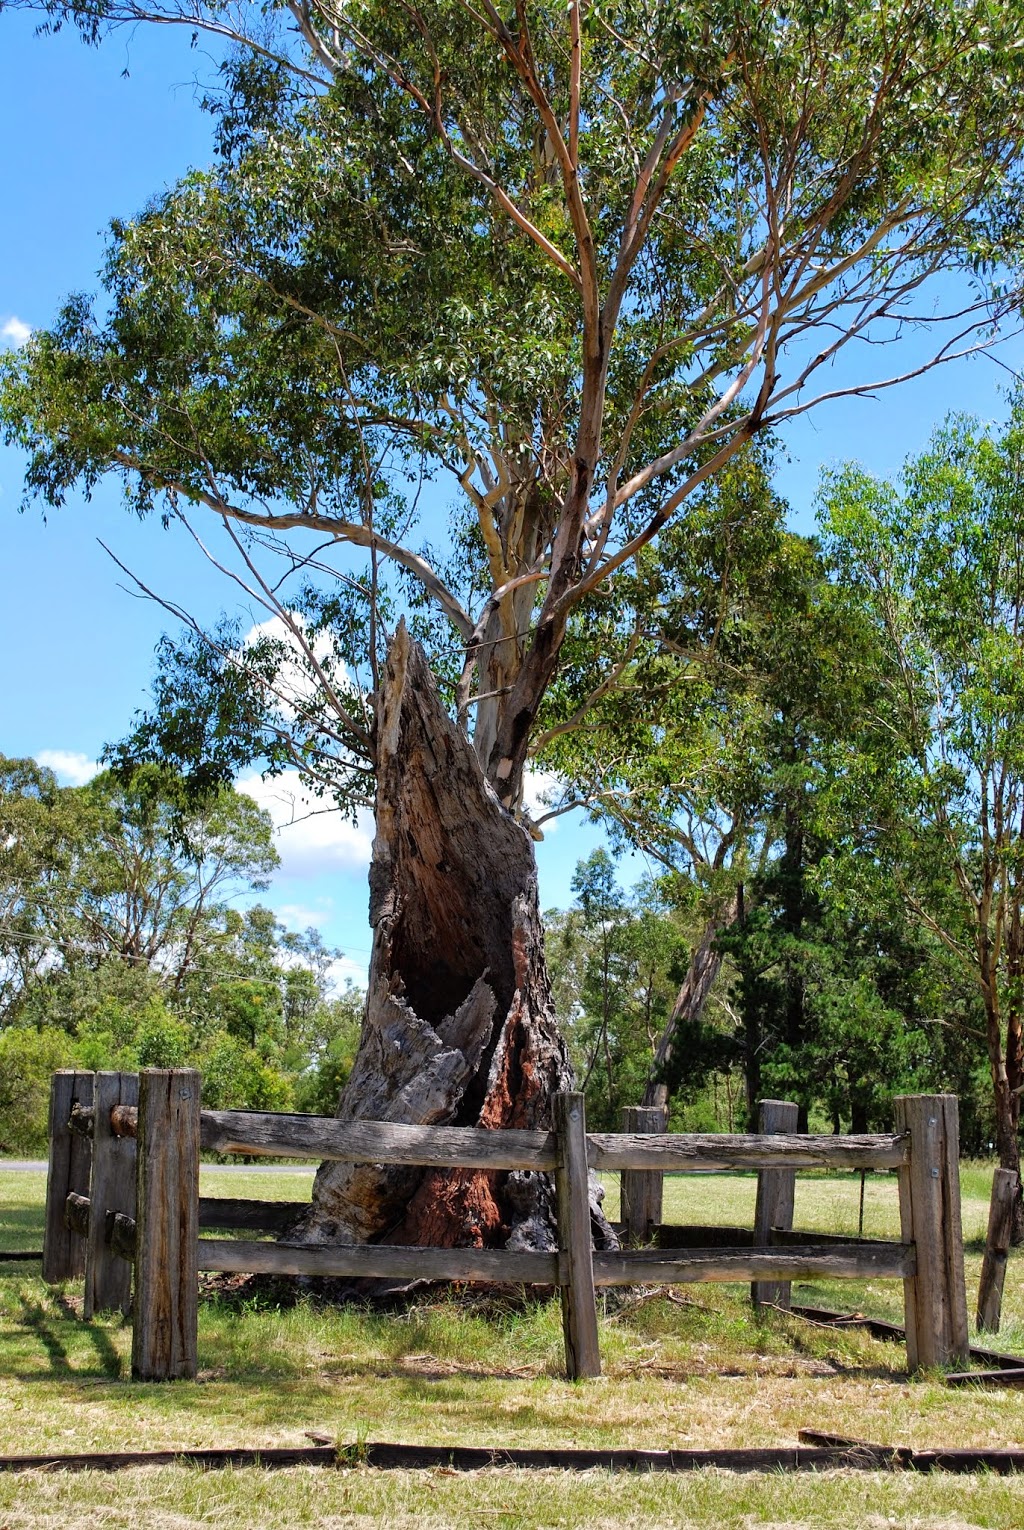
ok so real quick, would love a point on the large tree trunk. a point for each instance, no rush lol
(705, 964)
(459, 1026)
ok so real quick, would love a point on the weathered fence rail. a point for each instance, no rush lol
(160, 1251)
(262, 1134)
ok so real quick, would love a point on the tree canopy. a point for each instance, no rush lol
(936, 561)
(568, 260)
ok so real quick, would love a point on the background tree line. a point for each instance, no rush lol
(121, 946)
(817, 744)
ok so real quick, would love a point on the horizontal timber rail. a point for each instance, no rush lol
(160, 1249)
(675, 1153)
(266, 1134)
(884, 1261)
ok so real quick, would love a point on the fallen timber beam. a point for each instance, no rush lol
(1002, 1462)
(1005, 1377)
(386, 1456)
(878, 1328)
(882, 1261)
(467, 1458)
(120, 1460)
(379, 1261)
(817, 1452)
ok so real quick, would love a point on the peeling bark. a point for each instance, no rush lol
(459, 1025)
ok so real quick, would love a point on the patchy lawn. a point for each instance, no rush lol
(688, 1368)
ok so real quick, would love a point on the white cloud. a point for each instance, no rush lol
(541, 791)
(297, 917)
(312, 836)
(348, 969)
(297, 680)
(74, 769)
(15, 330)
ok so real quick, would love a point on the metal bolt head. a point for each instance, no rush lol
(184, 1094)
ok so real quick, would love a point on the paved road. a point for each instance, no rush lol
(40, 1166)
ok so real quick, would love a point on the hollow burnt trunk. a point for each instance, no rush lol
(459, 1025)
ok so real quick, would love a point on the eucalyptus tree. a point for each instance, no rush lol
(744, 678)
(114, 876)
(937, 560)
(568, 259)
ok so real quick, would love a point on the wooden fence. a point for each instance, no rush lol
(138, 1219)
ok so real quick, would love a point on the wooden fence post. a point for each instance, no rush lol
(70, 1157)
(936, 1297)
(108, 1279)
(997, 1245)
(575, 1244)
(776, 1192)
(641, 1190)
(165, 1329)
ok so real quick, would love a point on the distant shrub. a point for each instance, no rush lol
(27, 1059)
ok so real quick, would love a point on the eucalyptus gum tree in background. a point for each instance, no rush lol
(570, 260)
(937, 561)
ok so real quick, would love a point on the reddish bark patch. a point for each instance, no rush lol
(520, 1094)
(454, 1209)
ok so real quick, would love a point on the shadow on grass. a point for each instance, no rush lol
(20, 1227)
(38, 1321)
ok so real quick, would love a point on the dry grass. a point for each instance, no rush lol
(694, 1368)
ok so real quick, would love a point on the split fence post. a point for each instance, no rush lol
(936, 1297)
(70, 1158)
(641, 1190)
(108, 1279)
(997, 1245)
(776, 1192)
(575, 1246)
(165, 1327)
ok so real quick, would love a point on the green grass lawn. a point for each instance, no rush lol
(694, 1367)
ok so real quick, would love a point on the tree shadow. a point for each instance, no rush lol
(38, 1321)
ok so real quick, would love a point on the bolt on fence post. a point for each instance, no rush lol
(641, 1190)
(935, 1297)
(165, 1316)
(576, 1255)
(776, 1193)
(108, 1278)
(68, 1169)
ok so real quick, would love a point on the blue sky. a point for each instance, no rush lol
(90, 134)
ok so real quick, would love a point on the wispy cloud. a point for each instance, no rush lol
(73, 769)
(298, 917)
(14, 330)
(348, 970)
